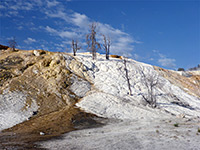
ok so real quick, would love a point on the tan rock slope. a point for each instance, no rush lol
(188, 81)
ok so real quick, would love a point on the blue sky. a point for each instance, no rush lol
(162, 33)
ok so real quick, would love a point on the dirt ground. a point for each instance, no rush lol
(24, 135)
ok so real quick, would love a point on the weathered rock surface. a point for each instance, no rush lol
(37, 81)
(41, 94)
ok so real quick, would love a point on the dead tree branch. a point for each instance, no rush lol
(93, 45)
(150, 81)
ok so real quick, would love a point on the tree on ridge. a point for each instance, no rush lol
(93, 45)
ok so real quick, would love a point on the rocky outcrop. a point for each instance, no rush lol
(44, 80)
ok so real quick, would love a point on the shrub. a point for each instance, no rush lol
(176, 125)
(181, 69)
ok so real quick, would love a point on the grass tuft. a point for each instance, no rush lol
(176, 125)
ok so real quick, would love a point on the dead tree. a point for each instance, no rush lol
(12, 43)
(75, 47)
(106, 45)
(127, 76)
(150, 81)
(93, 45)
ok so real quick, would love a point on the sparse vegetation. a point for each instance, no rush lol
(198, 130)
(181, 69)
(176, 125)
(150, 81)
(12, 43)
(195, 68)
(157, 131)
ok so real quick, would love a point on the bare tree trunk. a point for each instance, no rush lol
(12, 43)
(107, 54)
(75, 47)
(106, 46)
(127, 76)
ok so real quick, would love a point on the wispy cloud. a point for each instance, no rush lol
(21, 4)
(68, 34)
(122, 43)
(52, 3)
(57, 14)
(51, 30)
(63, 34)
(167, 62)
(2, 7)
(80, 20)
(164, 60)
(136, 56)
(123, 13)
(20, 27)
(11, 8)
(29, 40)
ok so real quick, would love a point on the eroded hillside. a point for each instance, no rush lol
(48, 93)
(186, 80)
(37, 86)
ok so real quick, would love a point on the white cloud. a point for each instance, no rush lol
(163, 60)
(63, 34)
(51, 30)
(80, 20)
(167, 62)
(29, 40)
(22, 5)
(151, 59)
(52, 3)
(136, 56)
(12, 8)
(2, 7)
(122, 43)
(57, 14)
(12, 13)
(155, 51)
(68, 34)
(20, 27)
